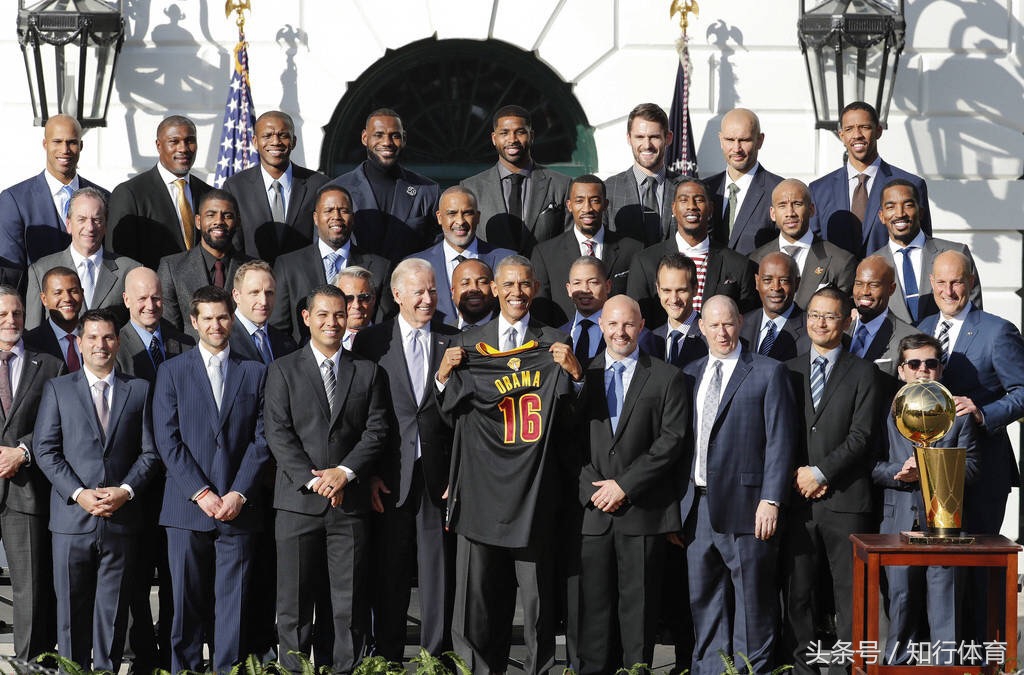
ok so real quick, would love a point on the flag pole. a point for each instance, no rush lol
(237, 146)
(682, 153)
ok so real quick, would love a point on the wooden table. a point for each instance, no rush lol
(871, 552)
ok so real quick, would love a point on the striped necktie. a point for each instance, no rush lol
(768, 341)
(943, 338)
(817, 380)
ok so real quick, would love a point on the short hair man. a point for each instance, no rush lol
(876, 332)
(93, 441)
(61, 295)
(778, 328)
(679, 340)
(102, 272)
(254, 295)
(393, 206)
(742, 193)
(472, 294)
(588, 288)
(521, 203)
(356, 283)
(848, 199)
(153, 214)
(277, 196)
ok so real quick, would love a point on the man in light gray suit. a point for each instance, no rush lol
(101, 271)
(521, 203)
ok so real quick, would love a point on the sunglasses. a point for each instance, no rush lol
(362, 297)
(915, 364)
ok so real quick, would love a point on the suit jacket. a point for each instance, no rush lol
(107, 293)
(728, 273)
(72, 451)
(299, 272)
(143, 219)
(986, 364)
(446, 309)
(834, 221)
(626, 215)
(407, 228)
(751, 445)
(223, 450)
(552, 260)
(133, 358)
(43, 339)
(182, 274)
(753, 225)
(547, 217)
(30, 227)
(304, 434)
(644, 340)
(641, 455)
(839, 437)
(694, 346)
(789, 342)
(926, 299)
(28, 490)
(260, 236)
(242, 345)
(825, 264)
(884, 350)
(412, 418)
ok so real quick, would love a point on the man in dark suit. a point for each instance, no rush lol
(23, 489)
(276, 197)
(327, 427)
(211, 507)
(911, 252)
(102, 272)
(819, 262)
(147, 340)
(744, 427)
(61, 295)
(213, 262)
(778, 329)
(679, 340)
(838, 396)
(589, 288)
(743, 192)
(720, 271)
(254, 295)
(521, 203)
(152, 214)
(94, 442)
(299, 272)
(848, 199)
(459, 217)
(408, 491)
(393, 207)
(641, 196)
(588, 236)
(636, 422)
(472, 295)
(876, 333)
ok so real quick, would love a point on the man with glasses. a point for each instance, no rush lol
(360, 300)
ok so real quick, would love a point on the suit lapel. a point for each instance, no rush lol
(296, 199)
(405, 196)
(875, 200)
(312, 375)
(968, 331)
(118, 399)
(232, 382)
(640, 375)
(754, 196)
(714, 268)
(106, 276)
(29, 372)
(344, 382)
(438, 345)
(200, 375)
(539, 180)
(928, 253)
(881, 341)
(834, 381)
(81, 390)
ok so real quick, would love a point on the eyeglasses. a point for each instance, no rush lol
(362, 297)
(827, 318)
(915, 364)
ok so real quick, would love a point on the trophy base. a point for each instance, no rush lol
(925, 538)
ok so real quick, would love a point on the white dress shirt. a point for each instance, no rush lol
(450, 254)
(743, 183)
(169, 178)
(57, 191)
(286, 186)
(916, 259)
(598, 240)
(851, 179)
(804, 243)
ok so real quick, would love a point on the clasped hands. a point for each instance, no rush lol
(808, 486)
(331, 485)
(102, 502)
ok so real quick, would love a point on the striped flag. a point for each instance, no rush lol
(682, 156)
(237, 149)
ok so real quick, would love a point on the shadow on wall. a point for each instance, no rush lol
(720, 70)
(291, 38)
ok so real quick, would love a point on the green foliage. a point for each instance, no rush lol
(377, 665)
(635, 669)
(731, 669)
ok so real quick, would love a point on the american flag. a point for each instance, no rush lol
(237, 150)
(682, 156)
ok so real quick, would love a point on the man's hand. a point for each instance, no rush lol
(807, 484)
(210, 503)
(965, 406)
(111, 499)
(609, 496)
(676, 539)
(377, 487)
(451, 360)
(766, 519)
(331, 483)
(563, 356)
(230, 506)
(11, 460)
(908, 473)
(88, 500)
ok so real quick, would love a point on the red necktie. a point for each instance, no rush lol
(71, 356)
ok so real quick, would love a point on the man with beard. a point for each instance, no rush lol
(472, 294)
(58, 335)
(394, 207)
(776, 329)
(876, 332)
(212, 263)
(356, 283)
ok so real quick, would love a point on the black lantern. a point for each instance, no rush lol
(852, 49)
(70, 49)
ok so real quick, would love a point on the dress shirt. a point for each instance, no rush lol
(506, 185)
(251, 328)
(729, 362)
(700, 249)
(682, 328)
(831, 356)
(92, 379)
(346, 340)
(335, 359)
(851, 180)
(627, 374)
(78, 260)
(957, 323)
(60, 333)
(504, 325)
(743, 183)
(916, 259)
(598, 240)
(594, 331)
(640, 175)
(872, 327)
(345, 252)
(450, 255)
(286, 186)
(168, 178)
(779, 322)
(221, 356)
(56, 190)
(804, 243)
(147, 337)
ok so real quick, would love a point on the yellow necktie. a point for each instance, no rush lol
(188, 224)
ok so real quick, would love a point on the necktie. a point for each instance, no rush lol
(582, 350)
(99, 399)
(588, 247)
(817, 380)
(331, 266)
(415, 359)
(615, 394)
(155, 352)
(330, 381)
(943, 338)
(511, 339)
(216, 379)
(733, 202)
(768, 341)
(71, 354)
(910, 289)
(65, 204)
(791, 251)
(6, 393)
(260, 338)
(672, 351)
(88, 281)
(860, 341)
(188, 223)
(707, 421)
(650, 185)
(859, 203)
(515, 195)
(276, 201)
(701, 261)
(218, 273)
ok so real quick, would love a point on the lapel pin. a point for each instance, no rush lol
(819, 271)
(411, 190)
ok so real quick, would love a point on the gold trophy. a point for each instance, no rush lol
(924, 412)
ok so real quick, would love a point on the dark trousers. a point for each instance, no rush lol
(152, 647)
(26, 539)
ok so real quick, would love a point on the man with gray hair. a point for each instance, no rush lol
(356, 283)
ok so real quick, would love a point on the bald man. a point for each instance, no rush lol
(742, 193)
(876, 332)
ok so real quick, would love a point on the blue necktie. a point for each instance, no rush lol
(672, 353)
(910, 289)
(817, 380)
(860, 341)
(615, 394)
(260, 338)
(769, 339)
(332, 262)
(65, 204)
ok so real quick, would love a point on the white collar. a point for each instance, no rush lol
(285, 180)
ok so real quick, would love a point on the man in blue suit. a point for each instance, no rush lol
(459, 217)
(33, 212)
(94, 443)
(213, 463)
(744, 423)
(847, 200)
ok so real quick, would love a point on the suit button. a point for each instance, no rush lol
(612, 452)
(814, 429)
